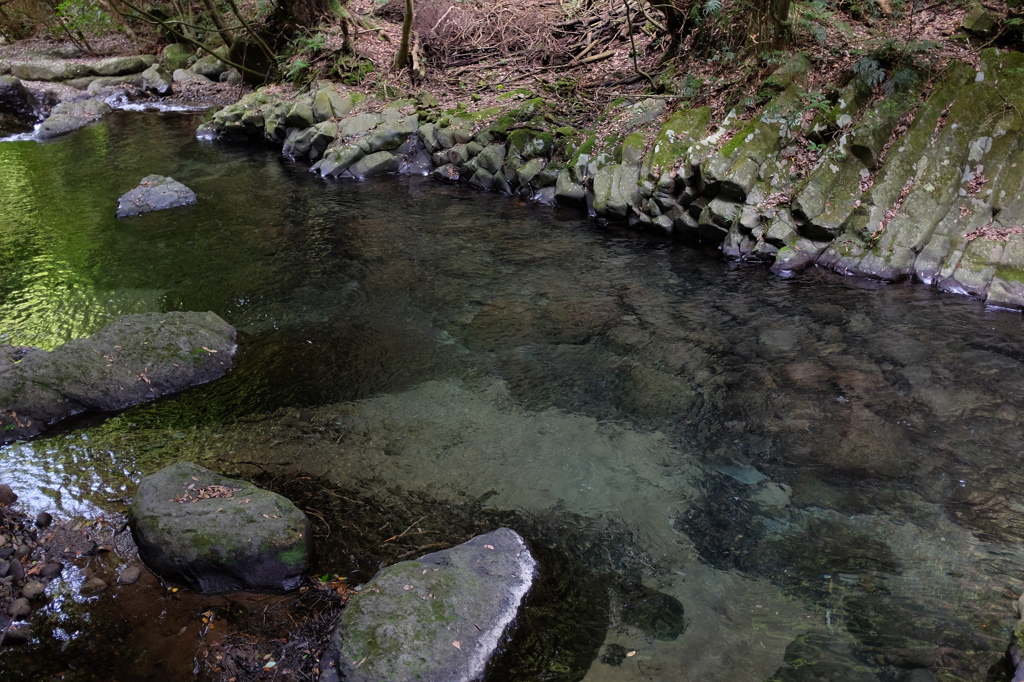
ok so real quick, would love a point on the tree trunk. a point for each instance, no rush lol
(676, 26)
(403, 48)
(218, 21)
(769, 24)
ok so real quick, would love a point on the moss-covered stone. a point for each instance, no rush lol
(675, 138)
(528, 143)
(217, 534)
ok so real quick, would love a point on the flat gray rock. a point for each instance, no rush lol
(120, 66)
(218, 534)
(154, 193)
(68, 117)
(133, 360)
(436, 619)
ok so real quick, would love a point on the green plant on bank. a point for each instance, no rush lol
(816, 101)
(297, 71)
(82, 16)
(301, 61)
(894, 65)
(352, 69)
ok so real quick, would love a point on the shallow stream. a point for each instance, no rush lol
(741, 477)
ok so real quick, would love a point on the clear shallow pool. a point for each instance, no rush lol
(824, 473)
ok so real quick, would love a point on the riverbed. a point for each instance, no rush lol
(732, 475)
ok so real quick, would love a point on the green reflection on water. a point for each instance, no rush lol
(48, 285)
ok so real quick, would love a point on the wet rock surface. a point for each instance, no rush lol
(217, 534)
(136, 359)
(16, 100)
(439, 617)
(68, 117)
(154, 193)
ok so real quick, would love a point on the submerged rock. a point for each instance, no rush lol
(154, 193)
(217, 534)
(438, 618)
(134, 360)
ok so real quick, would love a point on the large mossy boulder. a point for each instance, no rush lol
(135, 359)
(439, 618)
(218, 534)
(120, 66)
(49, 70)
(154, 193)
(176, 56)
(209, 66)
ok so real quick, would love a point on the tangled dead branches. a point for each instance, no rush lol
(460, 33)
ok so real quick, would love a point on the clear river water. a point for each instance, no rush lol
(730, 475)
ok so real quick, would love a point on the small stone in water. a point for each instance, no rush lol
(52, 570)
(92, 586)
(130, 575)
(7, 496)
(33, 590)
(18, 635)
(43, 520)
(19, 607)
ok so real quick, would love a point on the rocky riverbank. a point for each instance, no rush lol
(922, 183)
(51, 90)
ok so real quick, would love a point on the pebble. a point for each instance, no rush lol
(5, 567)
(6, 552)
(7, 496)
(19, 607)
(92, 586)
(51, 570)
(130, 575)
(43, 520)
(22, 551)
(33, 589)
(18, 635)
(17, 570)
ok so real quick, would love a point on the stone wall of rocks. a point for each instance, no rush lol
(912, 186)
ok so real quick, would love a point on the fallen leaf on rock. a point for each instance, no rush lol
(457, 645)
(407, 587)
(630, 654)
(489, 546)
